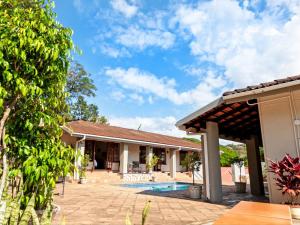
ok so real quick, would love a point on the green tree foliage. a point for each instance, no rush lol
(228, 152)
(80, 86)
(226, 156)
(79, 82)
(195, 140)
(34, 60)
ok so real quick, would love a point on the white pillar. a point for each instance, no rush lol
(173, 163)
(254, 167)
(213, 180)
(123, 158)
(80, 149)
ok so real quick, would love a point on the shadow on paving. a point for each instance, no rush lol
(230, 197)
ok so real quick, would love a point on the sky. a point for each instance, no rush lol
(156, 61)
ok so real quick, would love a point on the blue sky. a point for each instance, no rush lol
(155, 62)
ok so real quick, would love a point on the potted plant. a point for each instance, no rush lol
(287, 177)
(186, 163)
(152, 162)
(241, 184)
(192, 163)
(83, 168)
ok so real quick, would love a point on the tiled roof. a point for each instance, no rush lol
(263, 85)
(84, 127)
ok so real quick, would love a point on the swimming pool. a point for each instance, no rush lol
(160, 187)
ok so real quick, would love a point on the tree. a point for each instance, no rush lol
(227, 155)
(195, 140)
(80, 85)
(34, 60)
(79, 82)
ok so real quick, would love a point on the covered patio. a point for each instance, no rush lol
(264, 115)
(238, 121)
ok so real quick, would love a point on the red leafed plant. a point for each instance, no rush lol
(287, 178)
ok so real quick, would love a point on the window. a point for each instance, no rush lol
(182, 155)
(163, 157)
(161, 153)
(142, 154)
(116, 157)
(89, 149)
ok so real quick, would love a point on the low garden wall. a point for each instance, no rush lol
(136, 177)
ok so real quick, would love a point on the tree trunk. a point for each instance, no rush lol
(4, 118)
(6, 113)
(4, 174)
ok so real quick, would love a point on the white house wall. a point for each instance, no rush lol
(134, 154)
(279, 132)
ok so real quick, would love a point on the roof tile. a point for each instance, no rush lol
(262, 85)
(85, 127)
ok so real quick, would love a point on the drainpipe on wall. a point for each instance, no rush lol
(76, 175)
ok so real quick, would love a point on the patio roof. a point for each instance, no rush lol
(103, 132)
(236, 112)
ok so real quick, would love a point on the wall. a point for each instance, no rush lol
(280, 134)
(133, 155)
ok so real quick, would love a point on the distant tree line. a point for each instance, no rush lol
(230, 151)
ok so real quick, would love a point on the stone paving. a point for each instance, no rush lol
(105, 203)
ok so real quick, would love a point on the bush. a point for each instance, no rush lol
(227, 155)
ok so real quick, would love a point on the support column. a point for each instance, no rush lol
(203, 139)
(123, 158)
(213, 180)
(149, 154)
(254, 167)
(80, 150)
(173, 163)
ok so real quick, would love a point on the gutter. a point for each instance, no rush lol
(76, 164)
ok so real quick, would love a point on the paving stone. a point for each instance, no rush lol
(102, 202)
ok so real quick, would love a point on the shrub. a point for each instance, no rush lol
(287, 176)
(227, 155)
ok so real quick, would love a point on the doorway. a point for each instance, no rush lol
(161, 154)
(103, 155)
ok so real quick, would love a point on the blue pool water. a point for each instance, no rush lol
(160, 187)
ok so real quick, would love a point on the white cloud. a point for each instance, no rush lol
(193, 70)
(146, 83)
(114, 52)
(141, 38)
(137, 98)
(123, 7)
(123, 38)
(250, 48)
(118, 95)
(161, 125)
(78, 5)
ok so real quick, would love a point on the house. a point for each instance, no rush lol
(126, 150)
(265, 115)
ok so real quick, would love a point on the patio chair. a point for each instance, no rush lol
(136, 167)
(90, 167)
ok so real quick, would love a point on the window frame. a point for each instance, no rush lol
(142, 157)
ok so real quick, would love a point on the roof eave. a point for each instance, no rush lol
(180, 124)
(231, 98)
(131, 141)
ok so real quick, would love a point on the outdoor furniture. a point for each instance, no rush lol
(256, 213)
(90, 166)
(136, 167)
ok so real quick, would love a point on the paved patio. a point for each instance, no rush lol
(100, 202)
